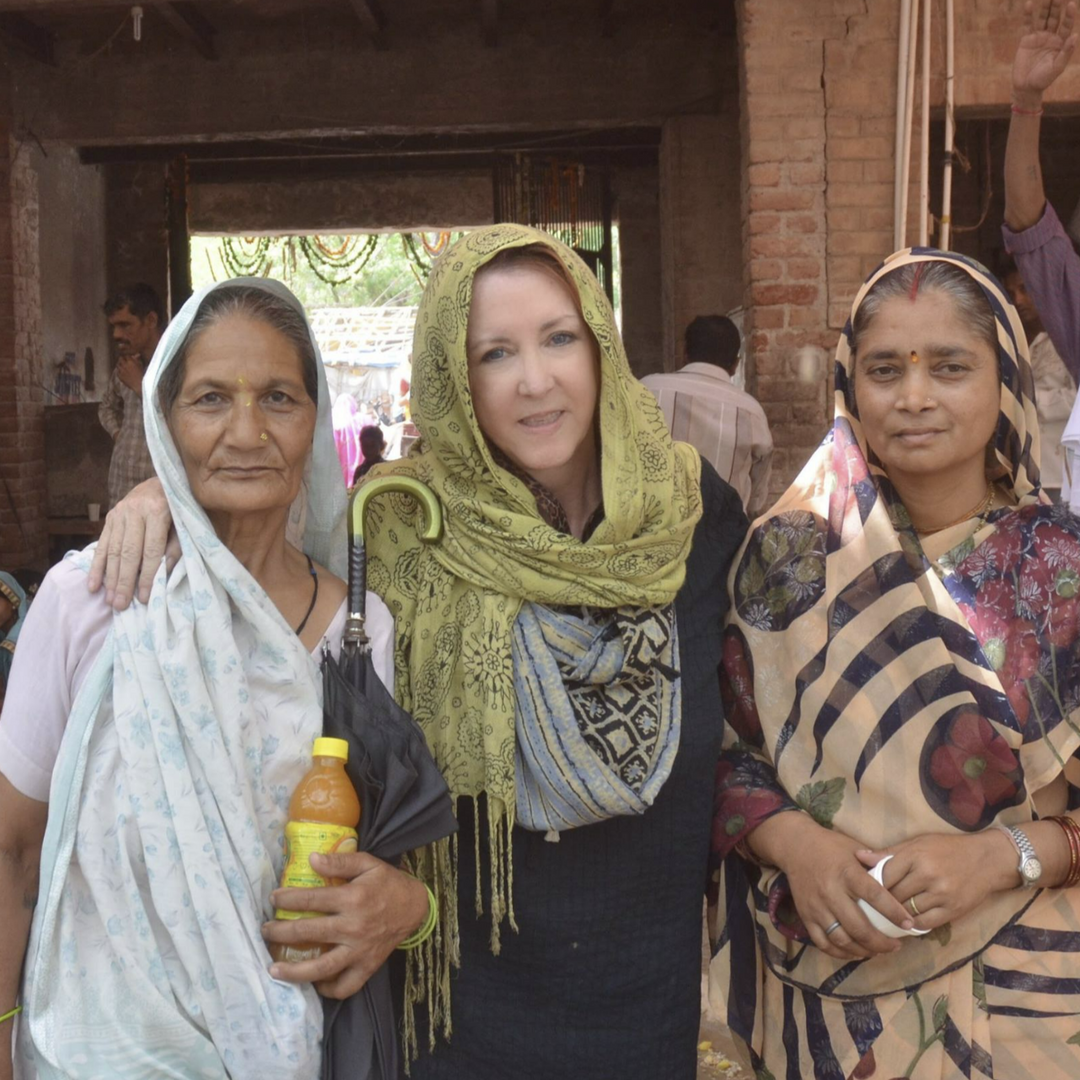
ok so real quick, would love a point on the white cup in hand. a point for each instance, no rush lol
(877, 920)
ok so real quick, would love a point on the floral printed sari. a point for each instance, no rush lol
(892, 687)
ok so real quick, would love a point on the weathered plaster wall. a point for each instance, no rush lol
(72, 241)
(387, 201)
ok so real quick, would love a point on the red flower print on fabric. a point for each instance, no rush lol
(737, 688)
(977, 768)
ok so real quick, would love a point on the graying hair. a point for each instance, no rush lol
(252, 303)
(965, 293)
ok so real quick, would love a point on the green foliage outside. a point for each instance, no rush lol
(392, 275)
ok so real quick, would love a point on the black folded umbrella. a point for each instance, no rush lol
(404, 800)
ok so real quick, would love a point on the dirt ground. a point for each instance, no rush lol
(720, 1057)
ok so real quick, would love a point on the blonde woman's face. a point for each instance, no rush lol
(533, 373)
(926, 387)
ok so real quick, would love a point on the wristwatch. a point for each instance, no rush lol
(1030, 868)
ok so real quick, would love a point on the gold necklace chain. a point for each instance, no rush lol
(977, 510)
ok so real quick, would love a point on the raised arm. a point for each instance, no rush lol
(22, 826)
(1042, 55)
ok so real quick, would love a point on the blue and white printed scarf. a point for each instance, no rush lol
(598, 712)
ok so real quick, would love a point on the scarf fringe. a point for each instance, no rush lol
(427, 967)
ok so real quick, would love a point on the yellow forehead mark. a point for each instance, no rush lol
(914, 357)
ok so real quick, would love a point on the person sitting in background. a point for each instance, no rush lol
(1055, 391)
(17, 590)
(724, 424)
(136, 320)
(372, 444)
(1033, 234)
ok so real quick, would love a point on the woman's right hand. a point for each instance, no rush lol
(137, 534)
(827, 881)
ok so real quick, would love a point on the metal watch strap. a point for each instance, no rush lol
(1025, 850)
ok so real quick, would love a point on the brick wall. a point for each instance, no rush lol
(22, 429)
(784, 222)
(818, 95)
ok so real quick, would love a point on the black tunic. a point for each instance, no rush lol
(603, 980)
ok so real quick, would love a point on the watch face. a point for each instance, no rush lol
(1031, 870)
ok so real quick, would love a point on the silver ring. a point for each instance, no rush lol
(830, 929)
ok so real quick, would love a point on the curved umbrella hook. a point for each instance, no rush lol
(355, 634)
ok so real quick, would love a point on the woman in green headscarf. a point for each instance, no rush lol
(559, 647)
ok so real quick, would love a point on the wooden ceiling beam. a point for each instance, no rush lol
(373, 21)
(489, 21)
(189, 22)
(20, 33)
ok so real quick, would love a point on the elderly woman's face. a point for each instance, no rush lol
(927, 387)
(243, 422)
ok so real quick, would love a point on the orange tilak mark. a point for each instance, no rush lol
(914, 357)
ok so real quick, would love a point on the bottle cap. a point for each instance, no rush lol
(324, 747)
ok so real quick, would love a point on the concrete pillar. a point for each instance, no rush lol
(637, 210)
(22, 426)
(700, 222)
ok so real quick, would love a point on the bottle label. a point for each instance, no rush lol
(304, 838)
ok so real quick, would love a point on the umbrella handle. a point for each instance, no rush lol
(432, 530)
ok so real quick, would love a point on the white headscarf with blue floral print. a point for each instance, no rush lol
(168, 805)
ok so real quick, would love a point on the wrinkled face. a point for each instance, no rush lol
(243, 380)
(134, 336)
(934, 416)
(533, 372)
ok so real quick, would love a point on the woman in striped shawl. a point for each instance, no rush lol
(901, 668)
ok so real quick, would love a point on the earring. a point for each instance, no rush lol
(263, 437)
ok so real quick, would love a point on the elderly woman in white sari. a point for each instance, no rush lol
(149, 755)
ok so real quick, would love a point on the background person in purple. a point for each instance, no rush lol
(1033, 233)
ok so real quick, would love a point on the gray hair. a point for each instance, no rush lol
(908, 280)
(254, 303)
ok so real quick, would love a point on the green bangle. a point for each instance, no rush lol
(9, 1015)
(428, 927)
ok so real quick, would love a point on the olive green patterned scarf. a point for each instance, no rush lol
(455, 602)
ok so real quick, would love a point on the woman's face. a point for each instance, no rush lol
(933, 415)
(243, 422)
(533, 372)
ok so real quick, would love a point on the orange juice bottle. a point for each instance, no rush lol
(323, 815)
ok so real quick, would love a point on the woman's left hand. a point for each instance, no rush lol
(947, 875)
(363, 920)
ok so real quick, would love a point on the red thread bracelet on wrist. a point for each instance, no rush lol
(1027, 112)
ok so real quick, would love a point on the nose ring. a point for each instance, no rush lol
(263, 437)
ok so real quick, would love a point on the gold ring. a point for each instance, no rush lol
(914, 907)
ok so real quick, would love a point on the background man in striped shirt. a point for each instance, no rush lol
(705, 408)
